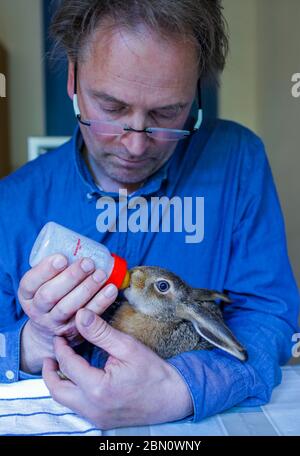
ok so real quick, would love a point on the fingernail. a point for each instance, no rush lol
(59, 262)
(87, 265)
(86, 317)
(99, 276)
(110, 291)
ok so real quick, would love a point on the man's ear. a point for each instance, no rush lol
(70, 84)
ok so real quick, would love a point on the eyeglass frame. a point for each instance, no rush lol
(126, 128)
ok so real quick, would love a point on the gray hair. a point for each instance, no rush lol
(201, 21)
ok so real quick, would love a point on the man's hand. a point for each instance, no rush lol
(50, 294)
(136, 386)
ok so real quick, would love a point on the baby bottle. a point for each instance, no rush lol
(54, 238)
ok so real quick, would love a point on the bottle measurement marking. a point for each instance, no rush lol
(78, 247)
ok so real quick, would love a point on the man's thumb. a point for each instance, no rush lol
(97, 331)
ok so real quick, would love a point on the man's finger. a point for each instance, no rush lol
(49, 294)
(46, 270)
(78, 297)
(74, 367)
(62, 391)
(103, 299)
(98, 332)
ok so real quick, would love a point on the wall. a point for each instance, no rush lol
(279, 112)
(5, 165)
(256, 91)
(21, 34)
(239, 93)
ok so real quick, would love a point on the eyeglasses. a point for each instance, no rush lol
(110, 128)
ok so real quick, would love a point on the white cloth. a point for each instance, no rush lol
(26, 408)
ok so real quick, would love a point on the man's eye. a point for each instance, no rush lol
(167, 114)
(113, 110)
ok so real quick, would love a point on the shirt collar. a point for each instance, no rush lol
(151, 186)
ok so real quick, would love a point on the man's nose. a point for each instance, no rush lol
(135, 142)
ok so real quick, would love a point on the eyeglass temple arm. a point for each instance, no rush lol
(200, 111)
(75, 99)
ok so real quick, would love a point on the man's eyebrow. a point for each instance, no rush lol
(109, 98)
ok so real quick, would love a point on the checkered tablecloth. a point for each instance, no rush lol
(27, 409)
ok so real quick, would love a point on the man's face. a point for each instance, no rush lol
(135, 79)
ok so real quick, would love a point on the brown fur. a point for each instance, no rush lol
(165, 321)
(155, 333)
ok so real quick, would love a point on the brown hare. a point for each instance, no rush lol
(170, 317)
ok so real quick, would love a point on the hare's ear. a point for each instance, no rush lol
(210, 326)
(204, 294)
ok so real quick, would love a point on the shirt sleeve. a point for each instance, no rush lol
(12, 323)
(10, 339)
(264, 312)
(11, 326)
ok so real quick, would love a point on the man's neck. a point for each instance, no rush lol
(103, 181)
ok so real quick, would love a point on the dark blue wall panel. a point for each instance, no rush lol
(60, 119)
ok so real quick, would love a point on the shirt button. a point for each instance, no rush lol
(9, 375)
(89, 196)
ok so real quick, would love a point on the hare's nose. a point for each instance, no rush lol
(137, 278)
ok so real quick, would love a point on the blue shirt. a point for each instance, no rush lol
(243, 252)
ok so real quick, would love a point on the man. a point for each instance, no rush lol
(134, 68)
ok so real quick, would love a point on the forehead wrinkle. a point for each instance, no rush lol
(135, 93)
(149, 84)
(109, 98)
(116, 67)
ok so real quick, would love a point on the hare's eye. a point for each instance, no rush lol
(162, 286)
